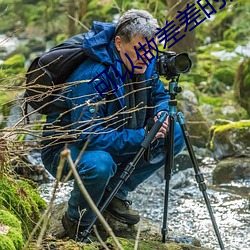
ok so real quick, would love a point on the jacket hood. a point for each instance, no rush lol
(98, 43)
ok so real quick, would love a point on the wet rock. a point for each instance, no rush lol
(197, 125)
(190, 96)
(31, 167)
(232, 139)
(231, 169)
(181, 179)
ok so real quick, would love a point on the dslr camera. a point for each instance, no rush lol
(172, 65)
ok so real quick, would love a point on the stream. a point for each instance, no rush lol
(187, 212)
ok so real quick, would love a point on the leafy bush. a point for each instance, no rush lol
(224, 75)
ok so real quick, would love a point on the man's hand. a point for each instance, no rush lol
(164, 128)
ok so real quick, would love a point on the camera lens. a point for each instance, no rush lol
(182, 63)
(171, 65)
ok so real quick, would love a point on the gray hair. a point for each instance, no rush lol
(136, 22)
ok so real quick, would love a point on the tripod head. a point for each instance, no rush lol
(174, 89)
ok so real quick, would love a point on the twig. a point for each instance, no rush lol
(99, 238)
(137, 236)
(66, 154)
(77, 21)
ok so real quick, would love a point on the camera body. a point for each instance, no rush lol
(172, 65)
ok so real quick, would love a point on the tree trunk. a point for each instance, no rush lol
(187, 43)
(72, 14)
(83, 7)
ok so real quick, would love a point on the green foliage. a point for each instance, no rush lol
(242, 84)
(13, 66)
(224, 75)
(16, 61)
(239, 30)
(60, 38)
(229, 23)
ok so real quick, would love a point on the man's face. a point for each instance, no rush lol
(130, 50)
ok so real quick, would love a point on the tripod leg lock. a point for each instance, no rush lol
(127, 172)
(200, 180)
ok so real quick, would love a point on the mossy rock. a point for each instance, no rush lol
(22, 200)
(10, 231)
(231, 169)
(232, 139)
(221, 107)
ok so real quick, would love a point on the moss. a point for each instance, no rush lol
(6, 243)
(66, 245)
(128, 244)
(9, 219)
(16, 237)
(13, 239)
(221, 122)
(212, 100)
(22, 200)
(236, 125)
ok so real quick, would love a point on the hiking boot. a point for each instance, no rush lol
(121, 211)
(75, 231)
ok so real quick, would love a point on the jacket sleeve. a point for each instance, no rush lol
(88, 122)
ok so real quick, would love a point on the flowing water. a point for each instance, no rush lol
(187, 212)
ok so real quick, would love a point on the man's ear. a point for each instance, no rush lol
(118, 43)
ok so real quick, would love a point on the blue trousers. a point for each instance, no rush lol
(100, 170)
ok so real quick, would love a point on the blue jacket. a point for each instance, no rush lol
(89, 116)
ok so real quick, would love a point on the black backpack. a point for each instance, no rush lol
(48, 73)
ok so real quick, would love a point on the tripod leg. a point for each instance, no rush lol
(168, 173)
(199, 177)
(129, 169)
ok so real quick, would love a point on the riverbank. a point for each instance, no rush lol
(188, 215)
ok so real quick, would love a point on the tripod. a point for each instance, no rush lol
(173, 90)
(169, 163)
